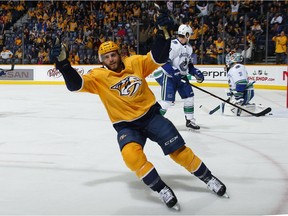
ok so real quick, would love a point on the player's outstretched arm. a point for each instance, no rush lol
(58, 55)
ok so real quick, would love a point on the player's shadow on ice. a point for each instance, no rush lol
(137, 188)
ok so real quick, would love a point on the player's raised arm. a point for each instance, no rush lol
(161, 46)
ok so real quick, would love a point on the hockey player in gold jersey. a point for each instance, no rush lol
(134, 111)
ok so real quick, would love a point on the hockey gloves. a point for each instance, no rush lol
(196, 73)
(171, 72)
(58, 52)
(165, 23)
(236, 97)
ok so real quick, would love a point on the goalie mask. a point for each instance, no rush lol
(185, 30)
(106, 47)
(232, 58)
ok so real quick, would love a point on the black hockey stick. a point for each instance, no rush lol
(212, 111)
(3, 71)
(262, 113)
(209, 111)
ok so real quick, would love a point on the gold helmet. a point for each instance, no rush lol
(107, 46)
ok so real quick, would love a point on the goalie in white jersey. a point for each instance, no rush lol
(173, 76)
(241, 91)
(240, 88)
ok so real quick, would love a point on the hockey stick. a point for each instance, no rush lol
(3, 71)
(262, 113)
(212, 111)
(209, 111)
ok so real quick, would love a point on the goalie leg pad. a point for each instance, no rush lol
(186, 158)
(230, 110)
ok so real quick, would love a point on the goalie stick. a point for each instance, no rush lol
(262, 113)
(215, 109)
(210, 111)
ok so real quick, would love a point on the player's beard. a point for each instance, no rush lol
(116, 66)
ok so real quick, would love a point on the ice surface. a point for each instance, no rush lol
(59, 156)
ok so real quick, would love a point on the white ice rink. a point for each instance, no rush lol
(59, 156)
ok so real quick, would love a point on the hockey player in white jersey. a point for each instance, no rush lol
(240, 88)
(241, 91)
(173, 76)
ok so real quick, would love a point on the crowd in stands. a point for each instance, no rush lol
(218, 26)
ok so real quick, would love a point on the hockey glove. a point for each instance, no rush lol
(171, 72)
(196, 73)
(165, 23)
(237, 97)
(58, 52)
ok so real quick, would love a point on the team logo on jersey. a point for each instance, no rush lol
(183, 65)
(128, 86)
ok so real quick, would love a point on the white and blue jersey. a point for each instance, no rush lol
(238, 83)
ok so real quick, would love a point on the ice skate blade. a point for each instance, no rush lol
(176, 207)
(226, 196)
(191, 129)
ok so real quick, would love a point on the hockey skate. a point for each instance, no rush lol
(168, 197)
(215, 185)
(191, 124)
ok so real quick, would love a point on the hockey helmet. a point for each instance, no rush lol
(233, 57)
(106, 47)
(185, 30)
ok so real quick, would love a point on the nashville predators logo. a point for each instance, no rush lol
(128, 86)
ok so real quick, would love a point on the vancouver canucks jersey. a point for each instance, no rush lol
(237, 75)
(180, 56)
(125, 95)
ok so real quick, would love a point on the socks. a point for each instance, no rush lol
(153, 180)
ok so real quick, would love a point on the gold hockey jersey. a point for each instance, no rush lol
(125, 95)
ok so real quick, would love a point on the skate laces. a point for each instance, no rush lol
(166, 194)
(214, 184)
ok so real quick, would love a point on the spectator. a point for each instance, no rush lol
(42, 56)
(2, 41)
(219, 43)
(203, 9)
(234, 9)
(1, 26)
(74, 58)
(121, 32)
(170, 6)
(73, 28)
(131, 50)
(247, 54)
(281, 43)
(256, 30)
(277, 19)
(211, 55)
(33, 55)
(18, 56)
(6, 56)
(256, 27)
(143, 37)
(18, 41)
